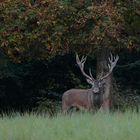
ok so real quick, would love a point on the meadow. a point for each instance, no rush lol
(77, 126)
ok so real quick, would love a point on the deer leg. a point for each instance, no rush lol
(64, 107)
(105, 105)
(82, 108)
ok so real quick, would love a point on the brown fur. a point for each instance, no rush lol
(79, 98)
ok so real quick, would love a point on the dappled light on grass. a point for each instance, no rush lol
(77, 126)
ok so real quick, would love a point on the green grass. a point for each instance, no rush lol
(83, 126)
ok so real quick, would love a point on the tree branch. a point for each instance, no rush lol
(129, 65)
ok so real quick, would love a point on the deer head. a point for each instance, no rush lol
(96, 83)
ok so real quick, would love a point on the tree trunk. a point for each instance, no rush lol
(102, 69)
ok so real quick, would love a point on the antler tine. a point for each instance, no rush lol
(111, 64)
(110, 58)
(90, 73)
(117, 58)
(77, 59)
(81, 66)
(83, 60)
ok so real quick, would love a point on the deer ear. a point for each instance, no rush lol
(89, 81)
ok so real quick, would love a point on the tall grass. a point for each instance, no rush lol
(81, 126)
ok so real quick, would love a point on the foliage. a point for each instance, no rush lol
(28, 85)
(29, 29)
(94, 25)
(47, 106)
(124, 99)
(52, 30)
(22, 85)
(42, 29)
(131, 29)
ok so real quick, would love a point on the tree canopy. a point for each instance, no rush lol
(41, 29)
(43, 36)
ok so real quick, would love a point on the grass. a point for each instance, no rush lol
(82, 126)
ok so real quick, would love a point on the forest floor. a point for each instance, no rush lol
(77, 126)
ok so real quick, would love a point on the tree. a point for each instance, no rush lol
(43, 29)
(102, 28)
(30, 30)
(99, 29)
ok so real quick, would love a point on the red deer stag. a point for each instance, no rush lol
(87, 98)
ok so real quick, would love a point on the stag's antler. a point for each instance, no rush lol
(112, 63)
(81, 66)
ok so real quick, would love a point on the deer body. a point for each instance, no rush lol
(79, 98)
(82, 99)
(87, 98)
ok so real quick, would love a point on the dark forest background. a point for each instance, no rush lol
(38, 42)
